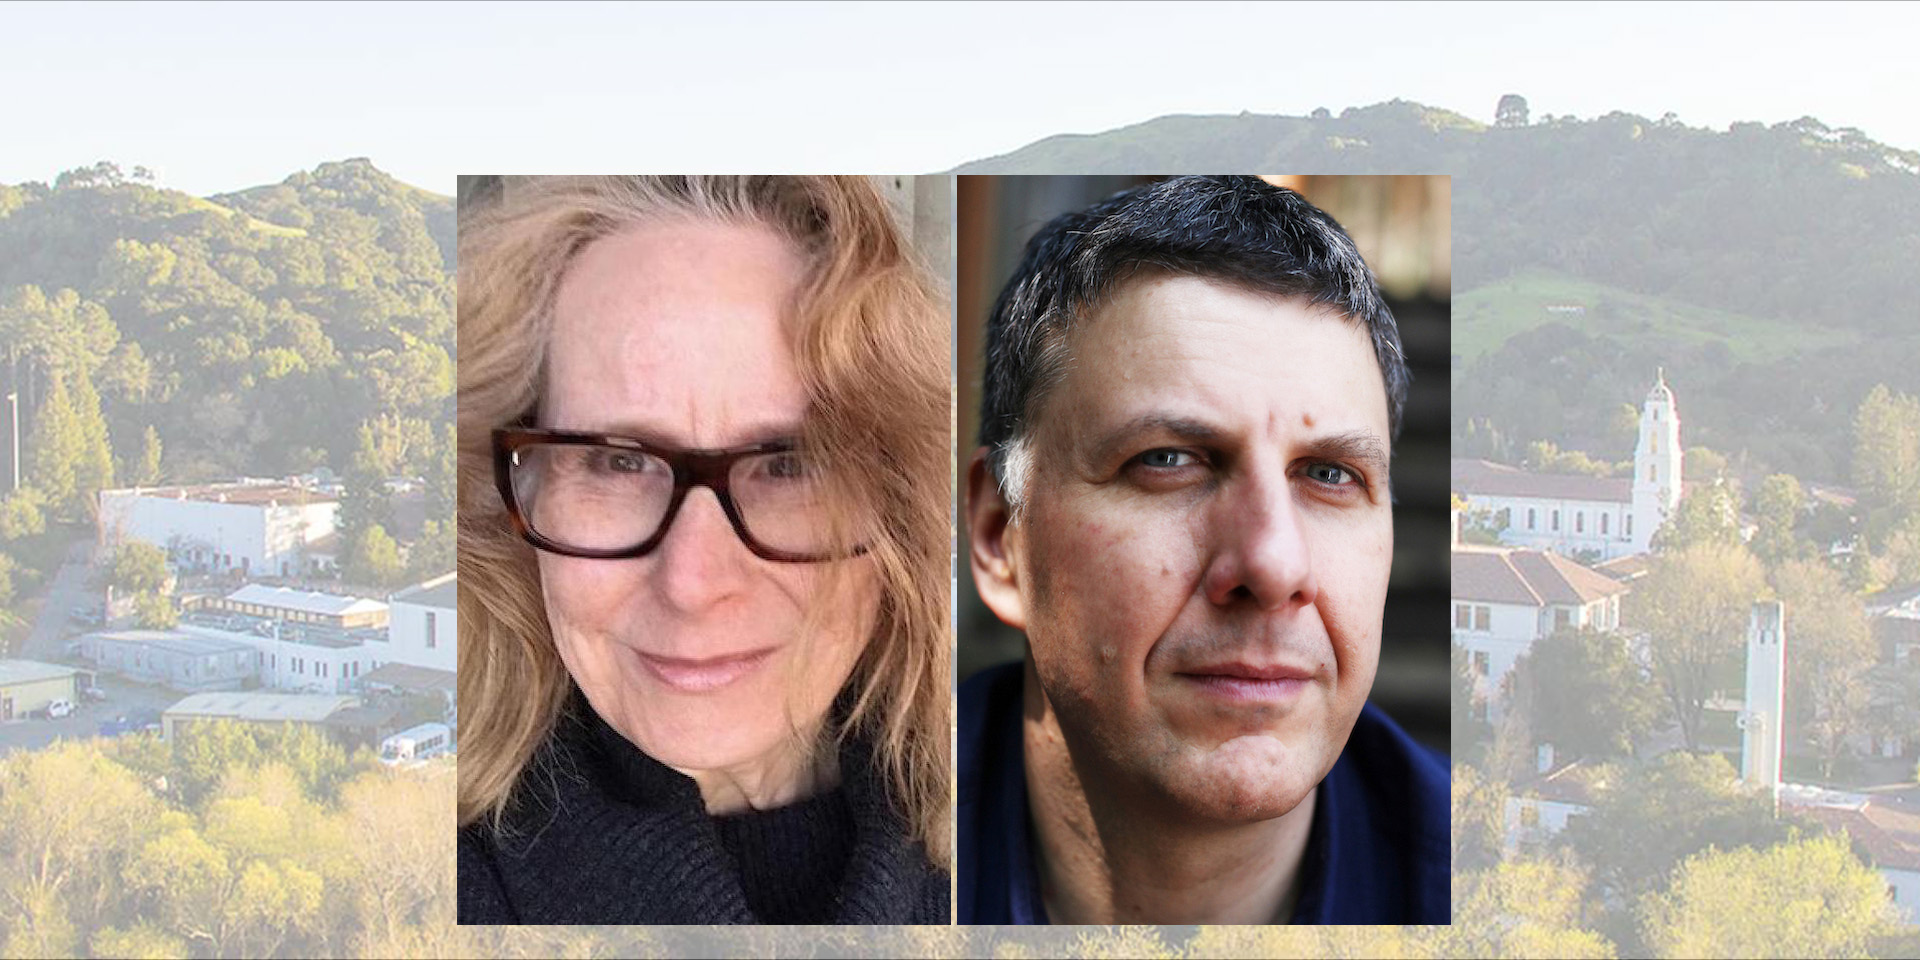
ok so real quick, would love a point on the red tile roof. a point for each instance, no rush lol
(1531, 578)
(1486, 478)
(1890, 837)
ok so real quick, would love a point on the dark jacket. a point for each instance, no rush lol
(598, 832)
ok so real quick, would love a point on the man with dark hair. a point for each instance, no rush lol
(1181, 495)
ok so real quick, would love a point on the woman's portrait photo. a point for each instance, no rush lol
(704, 523)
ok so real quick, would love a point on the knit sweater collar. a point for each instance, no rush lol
(602, 833)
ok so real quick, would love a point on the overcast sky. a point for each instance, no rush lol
(218, 97)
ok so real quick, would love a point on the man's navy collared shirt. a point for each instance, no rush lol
(1379, 850)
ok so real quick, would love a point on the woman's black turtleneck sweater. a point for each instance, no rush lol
(598, 832)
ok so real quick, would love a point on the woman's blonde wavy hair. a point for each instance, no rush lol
(870, 341)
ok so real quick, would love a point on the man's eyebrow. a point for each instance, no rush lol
(1354, 446)
(1184, 428)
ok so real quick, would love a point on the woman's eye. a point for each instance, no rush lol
(611, 461)
(1330, 474)
(787, 466)
(1165, 459)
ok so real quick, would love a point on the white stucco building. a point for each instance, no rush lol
(260, 528)
(1570, 513)
(423, 625)
(1504, 600)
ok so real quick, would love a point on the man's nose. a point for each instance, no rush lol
(701, 562)
(1261, 552)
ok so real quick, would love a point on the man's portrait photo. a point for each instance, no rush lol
(1200, 683)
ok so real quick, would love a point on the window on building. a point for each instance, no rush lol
(1603, 524)
(432, 641)
(1529, 815)
(1629, 526)
(1531, 525)
(1562, 617)
(1462, 616)
(1580, 521)
(1483, 618)
(323, 669)
(1482, 662)
(1556, 521)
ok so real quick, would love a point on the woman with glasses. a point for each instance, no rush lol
(703, 556)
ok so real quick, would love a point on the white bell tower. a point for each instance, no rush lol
(1761, 739)
(1657, 464)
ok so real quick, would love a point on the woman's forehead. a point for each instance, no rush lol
(681, 326)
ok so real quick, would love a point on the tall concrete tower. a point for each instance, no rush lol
(1657, 464)
(1761, 740)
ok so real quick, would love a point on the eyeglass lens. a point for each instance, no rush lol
(603, 498)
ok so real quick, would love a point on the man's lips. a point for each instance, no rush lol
(704, 674)
(1242, 682)
(1243, 670)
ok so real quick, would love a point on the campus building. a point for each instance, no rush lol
(257, 528)
(1572, 514)
(171, 658)
(253, 707)
(29, 685)
(1505, 600)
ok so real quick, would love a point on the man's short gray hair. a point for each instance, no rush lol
(1241, 230)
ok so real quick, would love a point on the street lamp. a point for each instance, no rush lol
(13, 407)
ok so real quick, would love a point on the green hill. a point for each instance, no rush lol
(207, 318)
(1797, 222)
(1488, 317)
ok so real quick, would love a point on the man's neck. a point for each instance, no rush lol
(1110, 857)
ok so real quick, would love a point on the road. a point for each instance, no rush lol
(69, 589)
(47, 642)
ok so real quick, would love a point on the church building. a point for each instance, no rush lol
(1569, 514)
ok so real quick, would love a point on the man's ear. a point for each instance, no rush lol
(994, 548)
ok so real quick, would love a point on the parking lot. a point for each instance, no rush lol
(122, 696)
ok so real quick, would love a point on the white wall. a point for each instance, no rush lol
(1512, 629)
(218, 536)
(1551, 817)
(298, 667)
(1585, 514)
(1905, 886)
(409, 642)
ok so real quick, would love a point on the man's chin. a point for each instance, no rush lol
(1244, 780)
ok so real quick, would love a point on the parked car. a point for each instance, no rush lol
(55, 710)
(86, 616)
(93, 694)
(133, 721)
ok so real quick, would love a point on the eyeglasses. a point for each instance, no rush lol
(608, 497)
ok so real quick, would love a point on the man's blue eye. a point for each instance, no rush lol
(1330, 474)
(1166, 459)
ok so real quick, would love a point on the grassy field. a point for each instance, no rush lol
(253, 223)
(1486, 317)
